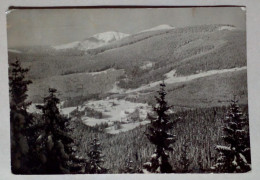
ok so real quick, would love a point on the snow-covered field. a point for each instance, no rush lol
(67, 111)
(129, 114)
(118, 109)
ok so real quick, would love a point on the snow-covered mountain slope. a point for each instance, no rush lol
(110, 36)
(160, 27)
(105, 38)
(94, 41)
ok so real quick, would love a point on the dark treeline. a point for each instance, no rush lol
(200, 140)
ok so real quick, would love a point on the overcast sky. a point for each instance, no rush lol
(57, 26)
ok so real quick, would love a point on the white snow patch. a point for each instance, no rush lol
(160, 27)
(101, 72)
(110, 36)
(147, 66)
(220, 147)
(117, 89)
(93, 121)
(67, 111)
(230, 28)
(171, 74)
(32, 108)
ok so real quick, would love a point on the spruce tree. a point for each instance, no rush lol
(158, 134)
(96, 158)
(235, 156)
(57, 149)
(19, 118)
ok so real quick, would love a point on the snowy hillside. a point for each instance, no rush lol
(160, 27)
(102, 39)
(94, 41)
(109, 36)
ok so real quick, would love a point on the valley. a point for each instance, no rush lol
(128, 90)
(112, 77)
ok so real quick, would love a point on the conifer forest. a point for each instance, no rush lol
(165, 99)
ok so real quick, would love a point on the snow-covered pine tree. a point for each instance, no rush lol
(57, 149)
(158, 134)
(19, 118)
(235, 156)
(96, 158)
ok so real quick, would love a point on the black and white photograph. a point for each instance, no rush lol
(133, 90)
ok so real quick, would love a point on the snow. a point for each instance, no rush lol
(147, 65)
(116, 110)
(32, 108)
(160, 27)
(172, 78)
(101, 72)
(243, 158)
(101, 39)
(67, 111)
(234, 162)
(93, 121)
(154, 155)
(170, 74)
(223, 148)
(230, 28)
(110, 36)
(117, 89)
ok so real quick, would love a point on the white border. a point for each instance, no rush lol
(253, 59)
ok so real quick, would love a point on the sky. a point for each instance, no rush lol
(33, 27)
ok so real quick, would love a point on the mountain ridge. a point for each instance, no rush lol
(94, 41)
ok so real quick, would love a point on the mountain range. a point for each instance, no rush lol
(94, 41)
